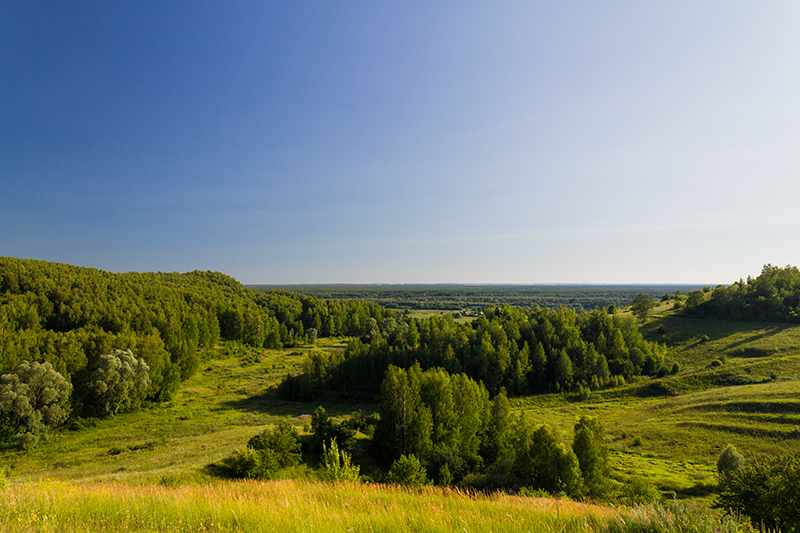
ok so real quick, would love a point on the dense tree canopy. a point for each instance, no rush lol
(523, 351)
(773, 296)
(70, 316)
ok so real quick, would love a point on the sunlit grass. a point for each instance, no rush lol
(282, 506)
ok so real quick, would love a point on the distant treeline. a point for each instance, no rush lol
(774, 296)
(69, 316)
(456, 297)
(523, 351)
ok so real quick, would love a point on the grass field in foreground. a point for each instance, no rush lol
(253, 507)
(281, 506)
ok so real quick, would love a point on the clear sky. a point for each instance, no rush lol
(402, 142)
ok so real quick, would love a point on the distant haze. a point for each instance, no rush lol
(409, 142)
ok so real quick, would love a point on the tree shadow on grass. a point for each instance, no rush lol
(336, 403)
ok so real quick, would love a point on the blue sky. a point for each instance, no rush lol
(407, 142)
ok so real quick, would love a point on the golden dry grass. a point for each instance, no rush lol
(286, 505)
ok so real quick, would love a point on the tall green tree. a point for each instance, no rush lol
(543, 462)
(406, 422)
(642, 305)
(591, 450)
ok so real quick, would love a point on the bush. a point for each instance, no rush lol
(118, 384)
(337, 465)
(281, 441)
(766, 490)
(639, 490)
(33, 398)
(407, 470)
(729, 460)
(252, 464)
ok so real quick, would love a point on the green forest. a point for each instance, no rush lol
(436, 394)
(69, 316)
(773, 296)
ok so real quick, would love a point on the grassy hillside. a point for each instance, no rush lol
(739, 383)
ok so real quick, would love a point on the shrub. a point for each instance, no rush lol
(639, 490)
(337, 465)
(118, 384)
(33, 398)
(766, 490)
(281, 441)
(252, 464)
(729, 460)
(407, 470)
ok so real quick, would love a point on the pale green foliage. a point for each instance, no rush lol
(729, 460)
(407, 470)
(337, 465)
(33, 398)
(118, 384)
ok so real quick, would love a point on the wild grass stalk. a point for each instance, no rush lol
(282, 506)
(249, 506)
